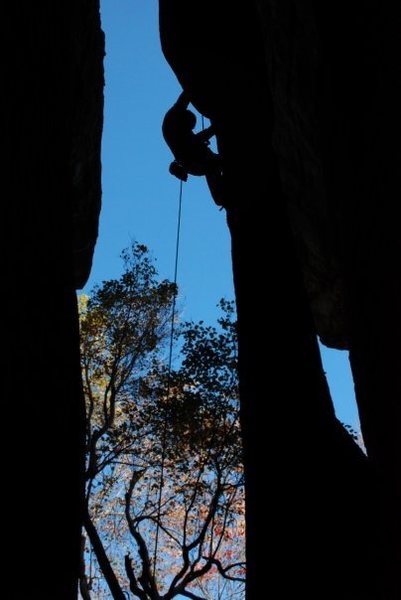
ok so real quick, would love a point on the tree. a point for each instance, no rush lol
(165, 505)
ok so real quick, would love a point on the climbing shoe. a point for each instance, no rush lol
(178, 171)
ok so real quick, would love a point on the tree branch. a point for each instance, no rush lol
(163, 528)
(83, 580)
(223, 529)
(185, 552)
(134, 587)
(102, 559)
(146, 579)
(199, 540)
(223, 571)
(211, 512)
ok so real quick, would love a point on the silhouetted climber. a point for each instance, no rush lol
(191, 150)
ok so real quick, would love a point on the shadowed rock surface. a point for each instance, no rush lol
(305, 101)
(53, 89)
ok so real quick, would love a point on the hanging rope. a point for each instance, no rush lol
(170, 359)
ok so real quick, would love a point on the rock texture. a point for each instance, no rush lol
(53, 103)
(303, 99)
(87, 120)
(334, 79)
(293, 60)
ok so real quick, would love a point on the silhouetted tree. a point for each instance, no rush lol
(164, 498)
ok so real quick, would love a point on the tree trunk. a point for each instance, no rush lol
(103, 560)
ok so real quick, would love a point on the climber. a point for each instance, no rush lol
(191, 150)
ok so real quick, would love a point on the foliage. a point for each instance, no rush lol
(165, 505)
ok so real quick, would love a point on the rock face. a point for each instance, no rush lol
(334, 80)
(53, 88)
(303, 99)
(294, 63)
(87, 63)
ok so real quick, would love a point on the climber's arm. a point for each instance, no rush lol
(182, 101)
(206, 134)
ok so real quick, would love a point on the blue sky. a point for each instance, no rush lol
(140, 197)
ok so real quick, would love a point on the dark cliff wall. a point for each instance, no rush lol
(53, 87)
(334, 75)
(306, 106)
(295, 95)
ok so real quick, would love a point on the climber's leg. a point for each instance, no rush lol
(216, 186)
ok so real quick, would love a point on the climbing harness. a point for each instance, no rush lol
(170, 359)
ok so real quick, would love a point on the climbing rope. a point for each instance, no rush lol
(170, 359)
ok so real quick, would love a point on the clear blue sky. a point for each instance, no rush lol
(140, 197)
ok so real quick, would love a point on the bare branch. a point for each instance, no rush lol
(198, 541)
(185, 553)
(146, 579)
(223, 529)
(211, 512)
(83, 580)
(134, 587)
(223, 571)
(162, 527)
(102, 559)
